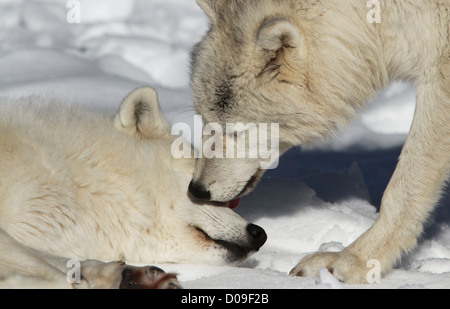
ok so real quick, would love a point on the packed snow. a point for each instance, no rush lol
(320, 198)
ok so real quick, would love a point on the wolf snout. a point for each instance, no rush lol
(198, 193)
(257, 236)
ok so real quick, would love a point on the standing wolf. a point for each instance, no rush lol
(310, 65)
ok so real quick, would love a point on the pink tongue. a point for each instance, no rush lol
(234, 203)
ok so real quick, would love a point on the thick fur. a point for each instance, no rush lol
(78, 185)
(310, 65)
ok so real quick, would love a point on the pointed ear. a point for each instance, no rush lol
(210, 7)
(140, 115)
(275, 34)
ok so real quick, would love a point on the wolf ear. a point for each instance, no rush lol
(210, 7)
(140, 115)
(275, 34)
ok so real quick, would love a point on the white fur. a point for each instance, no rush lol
(78, 185)
(310, 65)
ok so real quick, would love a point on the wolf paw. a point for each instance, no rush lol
(150, 277)
(99, 275)
(346, 268)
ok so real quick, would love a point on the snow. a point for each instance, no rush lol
(320, 198)
(327, 279)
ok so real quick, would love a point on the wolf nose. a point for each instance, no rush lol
(258, 236)
(198, 192)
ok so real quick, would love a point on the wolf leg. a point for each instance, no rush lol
(410, 196)
(21, 267)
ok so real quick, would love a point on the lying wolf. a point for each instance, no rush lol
(310, 65)
(76, 186)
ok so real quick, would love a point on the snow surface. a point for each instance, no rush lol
(321, 198)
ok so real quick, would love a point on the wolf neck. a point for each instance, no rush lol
(410, 34)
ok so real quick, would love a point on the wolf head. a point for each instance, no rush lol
(305, 65)
(184, 232)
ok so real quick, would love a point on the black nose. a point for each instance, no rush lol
(198, 192)
(258, 236)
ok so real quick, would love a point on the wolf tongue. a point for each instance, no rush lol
(234, 203)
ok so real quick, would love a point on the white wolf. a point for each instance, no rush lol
(81, 186)
(310, 65)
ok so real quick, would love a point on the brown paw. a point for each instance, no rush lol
(149, 277)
